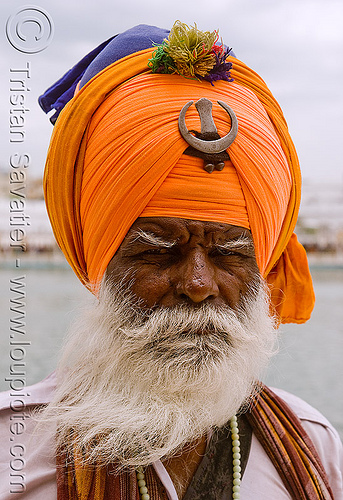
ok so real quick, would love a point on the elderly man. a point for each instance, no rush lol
(179, 217)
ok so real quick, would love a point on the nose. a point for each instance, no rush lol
(196, 279)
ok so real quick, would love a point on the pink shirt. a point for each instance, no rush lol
(27, 461)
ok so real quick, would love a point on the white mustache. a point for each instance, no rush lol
(134, 381)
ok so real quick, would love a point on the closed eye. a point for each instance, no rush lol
(157, 251)
(225, 251)
(242, 247)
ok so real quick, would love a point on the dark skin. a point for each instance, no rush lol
(169, 262)
(195, 269)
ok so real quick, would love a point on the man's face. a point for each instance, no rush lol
(170, 262)
(182, 318)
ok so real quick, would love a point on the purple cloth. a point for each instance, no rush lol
(57, 96)
(133, 40)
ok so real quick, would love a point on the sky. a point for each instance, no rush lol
(295, 45)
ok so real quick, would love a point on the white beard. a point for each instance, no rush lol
(136, 386)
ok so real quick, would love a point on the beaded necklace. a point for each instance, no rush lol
(236, 466)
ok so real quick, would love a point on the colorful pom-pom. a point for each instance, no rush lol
(192, 53)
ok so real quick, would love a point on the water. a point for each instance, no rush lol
(309, 364)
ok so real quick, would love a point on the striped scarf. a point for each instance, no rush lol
(289, 447)
(275, 425)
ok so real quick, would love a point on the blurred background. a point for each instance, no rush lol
(296, 46)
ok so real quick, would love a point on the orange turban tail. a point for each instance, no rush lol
(117, 154)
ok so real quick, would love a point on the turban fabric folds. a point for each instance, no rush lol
(116, 154)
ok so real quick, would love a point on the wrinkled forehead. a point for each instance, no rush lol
(181, 230)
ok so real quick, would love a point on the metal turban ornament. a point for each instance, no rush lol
(208, 144)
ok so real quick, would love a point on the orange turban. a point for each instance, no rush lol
(117, 154)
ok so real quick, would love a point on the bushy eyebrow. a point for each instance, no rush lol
(241, 243)
(150, 238)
